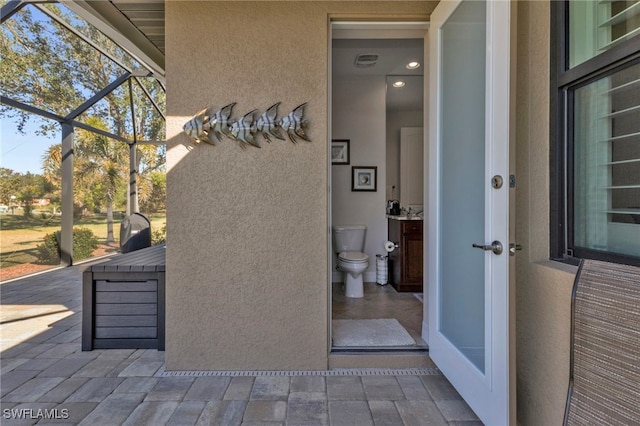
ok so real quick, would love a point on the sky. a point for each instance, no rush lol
(23, 153)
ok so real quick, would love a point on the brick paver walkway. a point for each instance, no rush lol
(47, 379)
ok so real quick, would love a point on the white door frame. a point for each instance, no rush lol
(347, 28)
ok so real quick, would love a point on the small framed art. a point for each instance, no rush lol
(340, 151)
(364, 178)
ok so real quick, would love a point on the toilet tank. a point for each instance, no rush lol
(349, 238)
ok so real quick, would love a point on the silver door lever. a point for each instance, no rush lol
(495, 247)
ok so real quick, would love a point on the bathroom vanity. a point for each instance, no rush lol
(405, 262)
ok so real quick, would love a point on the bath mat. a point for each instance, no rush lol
(370, 332)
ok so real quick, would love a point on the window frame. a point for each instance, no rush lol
(564, 82)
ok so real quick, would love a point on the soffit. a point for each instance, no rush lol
(147, 16)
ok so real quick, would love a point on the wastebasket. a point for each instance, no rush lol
(135, 233)
(382, 269)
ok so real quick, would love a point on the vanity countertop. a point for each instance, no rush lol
(404, 217)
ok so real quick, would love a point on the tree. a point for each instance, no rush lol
(100, 168)
(9, 184)
(100, 165)
(24, 188)
(46, 66)
(155, 201)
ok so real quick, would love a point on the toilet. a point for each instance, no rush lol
(348, 243)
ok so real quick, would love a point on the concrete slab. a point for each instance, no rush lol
(345, 388)
(170, 389)
(385, 388)
(151, 413)
(187, 413)
(239, 388)
(208, 389)
(385, 413)
(348, 413)
(270, 388)
(265, 411)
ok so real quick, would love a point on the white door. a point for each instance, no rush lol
(468, 145)
(412, 168)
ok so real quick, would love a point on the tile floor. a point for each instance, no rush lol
(47, 379)
(380, 302)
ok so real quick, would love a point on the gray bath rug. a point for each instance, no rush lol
(370, 332)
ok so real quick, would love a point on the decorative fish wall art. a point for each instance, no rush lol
(210, 127)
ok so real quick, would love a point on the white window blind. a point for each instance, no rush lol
(596, 26)
(607, 163)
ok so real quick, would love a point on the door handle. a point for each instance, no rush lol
(495, 247)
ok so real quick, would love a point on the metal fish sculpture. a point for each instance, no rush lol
(219, 122)
(267, 124)
(294, 125)
(243, 130)
(197, 128)
(211, 128)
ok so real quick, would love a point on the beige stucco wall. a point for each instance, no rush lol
(248, 240)
(247, 230)
(543, 308)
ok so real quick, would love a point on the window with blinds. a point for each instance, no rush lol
(606, 163)
(595, 122)
(598, 25)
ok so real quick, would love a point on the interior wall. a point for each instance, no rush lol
(543, 307)
(248, 250)
(359, 114)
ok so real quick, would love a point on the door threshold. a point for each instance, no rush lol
(378, 349)
(379, 358)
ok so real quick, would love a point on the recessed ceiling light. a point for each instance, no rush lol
(398, 83)
(413, 65)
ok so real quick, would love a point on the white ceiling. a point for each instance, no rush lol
(394, 54)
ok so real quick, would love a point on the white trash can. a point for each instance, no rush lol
(382, 269)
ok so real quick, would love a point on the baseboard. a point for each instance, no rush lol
(367, 276)
(370, 276)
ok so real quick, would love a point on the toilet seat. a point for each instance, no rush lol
(353, 257)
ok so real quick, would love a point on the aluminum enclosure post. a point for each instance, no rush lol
(66, 231)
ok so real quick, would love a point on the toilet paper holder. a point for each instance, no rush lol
(390, 246)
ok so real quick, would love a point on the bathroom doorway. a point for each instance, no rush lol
(367, 114)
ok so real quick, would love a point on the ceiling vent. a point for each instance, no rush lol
(365, 60)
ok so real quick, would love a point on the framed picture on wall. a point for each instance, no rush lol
(364, 178)
(340, 151)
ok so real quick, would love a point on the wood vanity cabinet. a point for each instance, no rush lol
(405, 262)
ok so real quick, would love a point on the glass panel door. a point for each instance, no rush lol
(462, 171)
(468, 260)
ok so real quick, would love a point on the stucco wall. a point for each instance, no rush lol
(543, 308)
(247, 230)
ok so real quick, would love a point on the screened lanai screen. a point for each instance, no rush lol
(59, 72)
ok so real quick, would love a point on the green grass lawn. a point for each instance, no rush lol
(20, 235)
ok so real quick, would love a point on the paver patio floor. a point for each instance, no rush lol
(47, 379)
